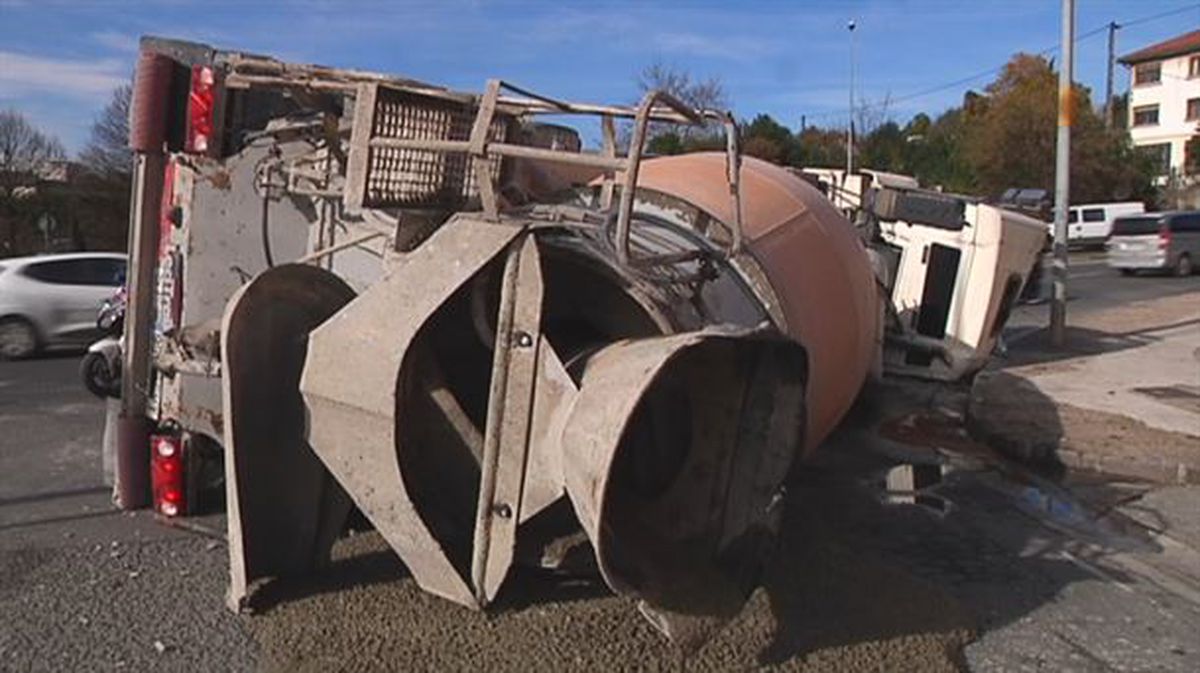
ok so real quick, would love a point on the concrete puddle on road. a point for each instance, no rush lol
(1031, 494)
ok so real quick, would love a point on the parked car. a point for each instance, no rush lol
(1156, 241)
(52, 300)
(1091, 223)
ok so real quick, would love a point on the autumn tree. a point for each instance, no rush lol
(1010, 139)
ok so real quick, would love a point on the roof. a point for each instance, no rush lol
(1182, 44)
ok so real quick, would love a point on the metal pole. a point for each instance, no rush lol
(1108, 79)
(1062, 176)
(850, 128)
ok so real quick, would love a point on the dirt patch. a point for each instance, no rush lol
(824, 607)
(1008, 412)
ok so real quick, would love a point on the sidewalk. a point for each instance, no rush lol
(1123, 397)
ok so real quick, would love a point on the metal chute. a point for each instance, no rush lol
(455, 401)
(676, 449)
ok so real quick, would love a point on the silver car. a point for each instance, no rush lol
(1166, 241)
(52, 300)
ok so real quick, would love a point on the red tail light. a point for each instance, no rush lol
(1164, 238)
(201, 109)
(166, 475)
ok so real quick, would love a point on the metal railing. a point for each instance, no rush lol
(483, 151)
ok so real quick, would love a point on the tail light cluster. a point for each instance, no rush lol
(201, 109)
(1164, 238)
(167, 478)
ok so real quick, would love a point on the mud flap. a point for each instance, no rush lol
(675, 452)
(284, 509)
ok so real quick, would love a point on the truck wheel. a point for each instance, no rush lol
(18, 339)
(1183, 266)
(1127, 272)
(96, 375)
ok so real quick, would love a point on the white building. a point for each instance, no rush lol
(1164, 98)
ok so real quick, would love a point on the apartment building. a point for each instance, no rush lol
(1164, 98)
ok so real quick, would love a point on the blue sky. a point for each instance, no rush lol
(59, 59)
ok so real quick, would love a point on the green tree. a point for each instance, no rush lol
(886, 148)
(769, 140)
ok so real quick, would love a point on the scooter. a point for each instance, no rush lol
(100, 368)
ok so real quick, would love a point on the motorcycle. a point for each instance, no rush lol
(100, 368)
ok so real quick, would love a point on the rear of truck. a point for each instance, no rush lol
(210, 212)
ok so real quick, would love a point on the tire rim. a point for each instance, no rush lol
(15, 340)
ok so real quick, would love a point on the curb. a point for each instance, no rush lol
(1053, 452)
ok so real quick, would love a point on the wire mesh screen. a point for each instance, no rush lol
(422, 178)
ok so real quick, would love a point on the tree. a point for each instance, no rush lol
(885, 148)
(703, 94)
(24, 151)
(1010, 135)
(107, 153)
(25, 154)
(103, 189)
(768, 140)
(820, 147)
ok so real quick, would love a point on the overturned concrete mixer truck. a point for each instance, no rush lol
(354, 290)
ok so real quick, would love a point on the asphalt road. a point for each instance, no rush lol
(856, 585)
(1092, 286)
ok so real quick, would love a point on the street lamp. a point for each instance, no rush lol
(850, 26)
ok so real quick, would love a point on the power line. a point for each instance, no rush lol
(996, 70)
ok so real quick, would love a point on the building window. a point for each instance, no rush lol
(1160, 155)
(1194, 67)
(1145, 115)
(1193, 109)
(1147, 73)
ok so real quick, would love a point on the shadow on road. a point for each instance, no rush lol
(40, 497)
(1035, 347)
(364, 569)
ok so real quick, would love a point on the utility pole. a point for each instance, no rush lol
(1062, 176)
(850, 128)
(1109, 111)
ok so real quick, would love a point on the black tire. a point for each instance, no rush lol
(97, 375)
(1127, 272)
(1183, 266)
(18, 339)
